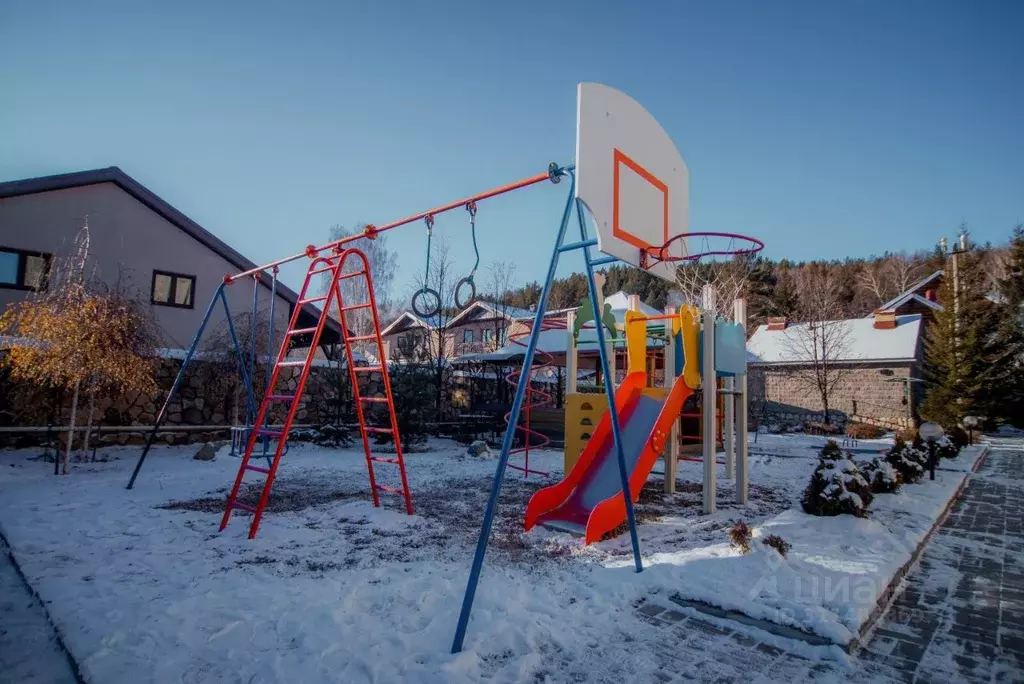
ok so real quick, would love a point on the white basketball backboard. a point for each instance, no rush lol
(630, 176)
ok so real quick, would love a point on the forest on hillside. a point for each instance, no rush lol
(853, 287)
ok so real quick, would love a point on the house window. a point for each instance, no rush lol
(173, 289)
(488, 336)
(467, 337)
(23, 270)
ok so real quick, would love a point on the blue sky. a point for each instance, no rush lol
(827, 129)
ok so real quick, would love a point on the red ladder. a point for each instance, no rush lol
(335, 266)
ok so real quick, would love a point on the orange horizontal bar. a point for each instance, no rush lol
(532, 180)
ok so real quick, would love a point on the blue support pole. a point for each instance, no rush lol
(506, 443)
(609, 389)
(219, 294)
(246, 381)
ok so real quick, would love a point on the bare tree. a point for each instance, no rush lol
(438, 347)
(889, 276)
(383, 266)
(819, 343)
(500, 280)
(729, 279)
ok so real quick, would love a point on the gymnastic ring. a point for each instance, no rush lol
(433, 311)
(459, 302)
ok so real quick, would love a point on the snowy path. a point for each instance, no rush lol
(29, 652)
(960, 617)
(145, 589)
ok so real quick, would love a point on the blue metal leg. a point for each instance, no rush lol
(506, 444)
(219, 294)
(609, 389)
(251, 405)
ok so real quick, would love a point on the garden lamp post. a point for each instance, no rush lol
(970, 422)
(930, 432)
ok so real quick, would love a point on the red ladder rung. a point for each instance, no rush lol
(244, 507)
(362, 338)
(364, 305)
(280, 397)
(325, 269)
(391, 490)
(379, 429)
(367, 369)
(375, 400)
(268, 433)
(313, 299)
(301, 331)
(353, 274)
(384, 459)
(258, 469)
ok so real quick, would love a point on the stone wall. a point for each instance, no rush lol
(210, 395)
(865, 392)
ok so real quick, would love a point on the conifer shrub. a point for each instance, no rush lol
(909, 461)
(958, 436)
(831, 451)
(883, 478)
(837, 486)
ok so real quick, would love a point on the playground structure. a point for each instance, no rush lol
(330, 260)
(634, 185)
(631, 180)
(650, 339)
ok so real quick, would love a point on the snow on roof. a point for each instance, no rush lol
(903, 297)
(864, 344)
(557, 341)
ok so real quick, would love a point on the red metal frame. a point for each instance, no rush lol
(542, 359)
(333, 264)
(388, 398)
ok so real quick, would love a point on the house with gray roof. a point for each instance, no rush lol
(170, 262)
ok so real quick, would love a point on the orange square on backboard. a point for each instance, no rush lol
(620, 159)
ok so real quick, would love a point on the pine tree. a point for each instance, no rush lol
(960, 347)
(1009, 337)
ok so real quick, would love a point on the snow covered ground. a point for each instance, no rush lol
(146, 589)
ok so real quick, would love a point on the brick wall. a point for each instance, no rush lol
(865, 392)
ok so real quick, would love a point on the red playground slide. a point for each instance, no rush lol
(589, 500)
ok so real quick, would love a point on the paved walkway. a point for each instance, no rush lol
(959, 619)
(961, 615)
(29, 652)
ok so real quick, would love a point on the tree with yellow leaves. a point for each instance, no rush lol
(73, 335)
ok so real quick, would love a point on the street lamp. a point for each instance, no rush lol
(970, 422)
(930, 433)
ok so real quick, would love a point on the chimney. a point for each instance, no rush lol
(777, 323)
(885, 320)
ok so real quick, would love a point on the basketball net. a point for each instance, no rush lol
(715, 265)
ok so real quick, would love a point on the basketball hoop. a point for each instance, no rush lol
(711, 244)
(714, 259)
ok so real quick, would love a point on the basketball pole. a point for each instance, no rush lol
(739, 315)
(517, 403)
(709, 388)
(672, 450)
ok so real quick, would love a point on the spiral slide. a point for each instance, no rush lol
(589, 500)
